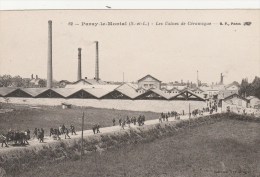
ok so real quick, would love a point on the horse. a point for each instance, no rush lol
(17, 137)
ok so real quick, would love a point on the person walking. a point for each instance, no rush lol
(98, 126)
(66, 133)
(41, 135)
(120, 121)
(72, 128)
(94, 129)
(114, 121)
(35, 133)
(160, 120)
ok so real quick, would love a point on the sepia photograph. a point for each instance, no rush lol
(130, 93)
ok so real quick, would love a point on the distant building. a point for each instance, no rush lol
(149, 82)
(82, 83)
(233, 87)
(36, 82)
(63, 83)
(234, 101)
(254, 102)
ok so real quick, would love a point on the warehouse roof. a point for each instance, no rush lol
(65, 92)
(128, 90)
(6, 90)
(34, 91)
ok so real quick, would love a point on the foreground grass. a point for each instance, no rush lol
(24, 117)
(226, 148)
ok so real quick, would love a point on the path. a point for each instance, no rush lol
(33, 143)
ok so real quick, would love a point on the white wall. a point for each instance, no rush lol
(134, 105)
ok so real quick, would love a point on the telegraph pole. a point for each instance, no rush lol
(189, 110)
(189, 117)
(82, 128)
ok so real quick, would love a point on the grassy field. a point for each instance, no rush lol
(24, 117)
(229, 148)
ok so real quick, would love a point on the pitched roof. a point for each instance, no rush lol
(65, 92)
(224, 93)
(233, 83)
(161, 93)
(97, 92)
(128, 90)
(235, 95)
(34, 91)
(90, 81)
(6, 90)
(197, 88)
(149, 76)
(186, 91)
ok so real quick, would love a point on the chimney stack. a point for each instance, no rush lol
(36, 76)
(32, 76)
(49, 64)
(79, 64)
(221, 78)
(97, 63)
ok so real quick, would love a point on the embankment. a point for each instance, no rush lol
(15, 161)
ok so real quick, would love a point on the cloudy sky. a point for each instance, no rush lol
(168, 52)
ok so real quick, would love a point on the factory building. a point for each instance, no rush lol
(149, 82)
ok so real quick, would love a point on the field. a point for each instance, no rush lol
(24, 117)
(228, 148)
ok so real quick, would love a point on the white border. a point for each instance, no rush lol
(122, 4)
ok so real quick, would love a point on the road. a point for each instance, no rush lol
(34, 143)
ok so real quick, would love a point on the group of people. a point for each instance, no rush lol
(39, 134)
(15, 136)
(165, 116)
(62, 130)
(95, 128)
(122, 122)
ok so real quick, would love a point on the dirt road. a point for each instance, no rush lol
(34, 143)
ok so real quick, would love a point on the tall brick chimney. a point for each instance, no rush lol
(97, 63)
(79, 64)
(49, 64)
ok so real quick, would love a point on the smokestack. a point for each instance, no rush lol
(221, 78)
(32, 76)
(198, 79)
(97, 63)
(49, 65)
(79, 63)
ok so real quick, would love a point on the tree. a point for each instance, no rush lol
(42, 83)
(6, 80)
(243, 91)
(17, 81)
(250, 89)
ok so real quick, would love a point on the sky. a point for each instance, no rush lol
(167, 52)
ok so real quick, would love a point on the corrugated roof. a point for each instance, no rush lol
(6, 90)
(34, 91)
